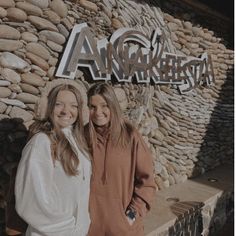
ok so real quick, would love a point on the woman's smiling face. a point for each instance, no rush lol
(66, 109)
(100, 113)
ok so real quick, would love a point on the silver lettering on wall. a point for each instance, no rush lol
(128, 54)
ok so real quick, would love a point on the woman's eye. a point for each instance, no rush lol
(58, 104)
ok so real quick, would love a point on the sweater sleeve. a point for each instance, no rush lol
(37, 199)
(144, 184)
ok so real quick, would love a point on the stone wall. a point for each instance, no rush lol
(187, 134)
(199, 219)
(199, 14)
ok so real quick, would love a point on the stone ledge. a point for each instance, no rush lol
(202, 191)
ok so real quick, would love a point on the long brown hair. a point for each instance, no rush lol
(120, 129)
(60, 147)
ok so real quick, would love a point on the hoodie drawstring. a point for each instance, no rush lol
(104, 176)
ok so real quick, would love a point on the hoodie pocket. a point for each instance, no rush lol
(108, 215)
(123, 216)
(118, 222)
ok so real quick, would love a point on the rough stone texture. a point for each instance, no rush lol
(121, 96)
(54, 46)
(8, 32)
(13, 102)
(29, 89)
(29, 8)
(7, 4)
(59, 7)
(196, 207)
(38, 50)
(33, 79)
(10, 75)
(16, 14)
(3, 107)
(17, 112)
(15, 88)
(53, 16)
(10, 60)
(37, 61)
(4, 92)
(29, 37)
(40, 3)
(10, 45)
(88, 5)
(53, 36)
(41, 23)
(27, 98)
(3, 12)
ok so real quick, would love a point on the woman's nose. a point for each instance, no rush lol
(64, 109)
(98, 111)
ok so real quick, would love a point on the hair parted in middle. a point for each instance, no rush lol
(120, 128)
(60, 146)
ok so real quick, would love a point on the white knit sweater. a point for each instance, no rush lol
(51, 202)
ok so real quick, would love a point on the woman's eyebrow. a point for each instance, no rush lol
(64, 102)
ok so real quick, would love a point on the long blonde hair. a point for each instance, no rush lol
(120, 129)
(60, 146)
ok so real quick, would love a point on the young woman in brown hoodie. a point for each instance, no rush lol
(122, 183)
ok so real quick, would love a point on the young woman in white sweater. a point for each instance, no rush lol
(53, 177)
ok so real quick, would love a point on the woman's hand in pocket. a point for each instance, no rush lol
(130, 221)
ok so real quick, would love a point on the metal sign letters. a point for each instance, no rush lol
(129, 54)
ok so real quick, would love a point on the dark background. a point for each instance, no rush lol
(224, 7)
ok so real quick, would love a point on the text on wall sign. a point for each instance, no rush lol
(129, 54)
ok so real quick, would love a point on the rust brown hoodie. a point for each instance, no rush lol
(122, 178)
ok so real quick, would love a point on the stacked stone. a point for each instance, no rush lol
(196, 218)
(30, 43)
(189, 220)
(216, 212)
(182, 131)
(190, 145)
(178, 128)
(221, 25)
